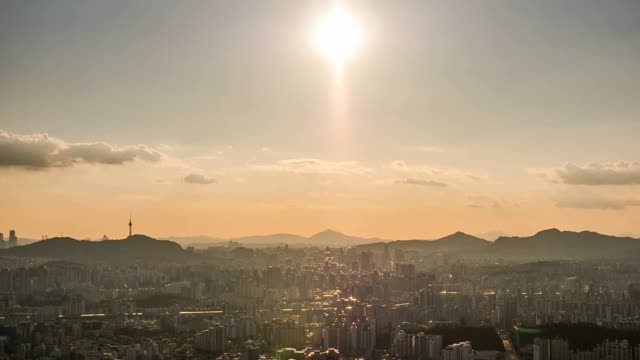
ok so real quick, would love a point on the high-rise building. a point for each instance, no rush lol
(13, 240)
(508, 313)
(73, 306)
(290, 353)
(239, 327)
(634, 293)
(459, 351)
(406, 270)
(287, 334)
(357, 338)
(548, 349)
(365, 261)
(273, 277)
(253, 352)
(212, 339)
(417, 346)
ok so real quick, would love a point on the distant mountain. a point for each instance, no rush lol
(196, 240)
(457, 242)
(334, 238)
(551, 244)
(203, 241)
(627, 234)
(460, 241)
(492, 235)
(330, 235)
(136, 247)
(271, 239)
(323, 238)
(556, 244)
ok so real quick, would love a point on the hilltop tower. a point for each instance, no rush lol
(130, 226)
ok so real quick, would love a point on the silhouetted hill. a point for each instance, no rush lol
(328, 235)
(197, 241)
(136, 247)
(492, 235)
(460, 240)
(254, 241)
(323, 238)
(551, 244)
(333, 238)
(556, 244)
(457, 242)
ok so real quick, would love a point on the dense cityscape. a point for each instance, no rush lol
(308, 301)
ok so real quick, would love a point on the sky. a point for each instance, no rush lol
(222, 118)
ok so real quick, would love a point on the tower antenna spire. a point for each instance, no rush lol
(130, 225)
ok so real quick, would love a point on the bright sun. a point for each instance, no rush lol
(337, 37)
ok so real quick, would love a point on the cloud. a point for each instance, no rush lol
(399, 165)
(313, 166)
(595, 202)
(40, 151)
(199, 179)
(445, 175)
(486, 202)
(421, 182)
(102, 153)
(594, 174)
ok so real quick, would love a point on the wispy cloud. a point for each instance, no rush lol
(445, 175)
(594, 174)
(588, 200)
(199, 179)
(40, 151)
(399, 165)
(421, 182)
(313, 166)
(487, 202)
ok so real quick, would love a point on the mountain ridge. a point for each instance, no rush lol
(133, 248)
(452, 242)
(547, 244)
(556, 244)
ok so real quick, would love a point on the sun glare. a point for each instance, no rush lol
(337, 37)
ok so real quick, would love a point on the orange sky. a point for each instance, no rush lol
(222, 119)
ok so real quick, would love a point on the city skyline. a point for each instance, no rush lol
(282, 238)
(223, 119)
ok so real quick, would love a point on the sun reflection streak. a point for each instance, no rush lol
(337, 38)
